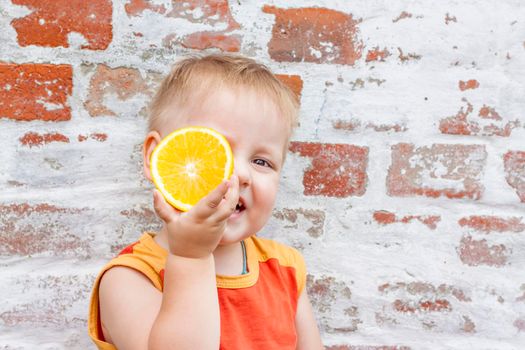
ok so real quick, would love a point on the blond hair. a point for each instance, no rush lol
(197, 76)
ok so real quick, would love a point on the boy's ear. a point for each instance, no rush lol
(150, 142)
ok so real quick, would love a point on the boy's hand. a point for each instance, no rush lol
(197, 232)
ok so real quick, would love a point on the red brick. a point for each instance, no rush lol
(314, 34)
(385, 218)
(35, 91)
(24, 210)
(449, 18)
(458, 124)
(468, 325)
(40, 228)
(417, 171)
(377, 55)
(144, 214)
(469, 84)
(50, 22)
(54, 299)
(135, 220)
(478, 252)
(294, 82)
(206, 40)
(125, 83)
(356, 125)
(135, 8)
(101, 137)
(337, 170)
(438, 305)
(408, 57)
(33, 139)
(519, 323)
(515, 172)
(403, 15)
(214, 13)
(431, 306)
(463, 123)
(348, 125)
(489, 224)
(324, 291)
(489, 113)
(315, 217)
(387, 127)
(425, 289)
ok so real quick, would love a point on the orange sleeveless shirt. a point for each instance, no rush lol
(257, 309)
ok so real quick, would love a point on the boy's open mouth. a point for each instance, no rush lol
(239, 207)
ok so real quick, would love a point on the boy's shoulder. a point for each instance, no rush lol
(281, 257)
(143, 255)
(270, 249)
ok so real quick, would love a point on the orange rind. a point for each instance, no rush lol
(189, 163)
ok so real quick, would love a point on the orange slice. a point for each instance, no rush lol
(189, 163)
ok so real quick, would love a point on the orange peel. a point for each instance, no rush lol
(189, 163)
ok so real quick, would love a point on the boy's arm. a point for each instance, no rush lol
(130, 306)
(189, 314)
(186, 315)
(308, 337)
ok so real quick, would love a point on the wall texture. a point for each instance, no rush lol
(404, 187)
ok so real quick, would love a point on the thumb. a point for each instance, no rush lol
(163, 209)
(209, 204)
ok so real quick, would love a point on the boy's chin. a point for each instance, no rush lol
(231, 238)
(225, 242)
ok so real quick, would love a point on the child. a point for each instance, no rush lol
(205, 280)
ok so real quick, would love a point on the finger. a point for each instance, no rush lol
(209, 204)
(231, 199)
(163, 209)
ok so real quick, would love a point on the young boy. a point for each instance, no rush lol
(205, 281)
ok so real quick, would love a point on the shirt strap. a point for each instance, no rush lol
(244, 268)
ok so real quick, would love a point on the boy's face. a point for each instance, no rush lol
(258, 137)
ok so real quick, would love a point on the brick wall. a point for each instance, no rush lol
(404, 187)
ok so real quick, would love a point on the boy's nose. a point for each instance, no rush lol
(243, 172)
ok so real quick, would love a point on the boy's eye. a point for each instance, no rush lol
(262, 162)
